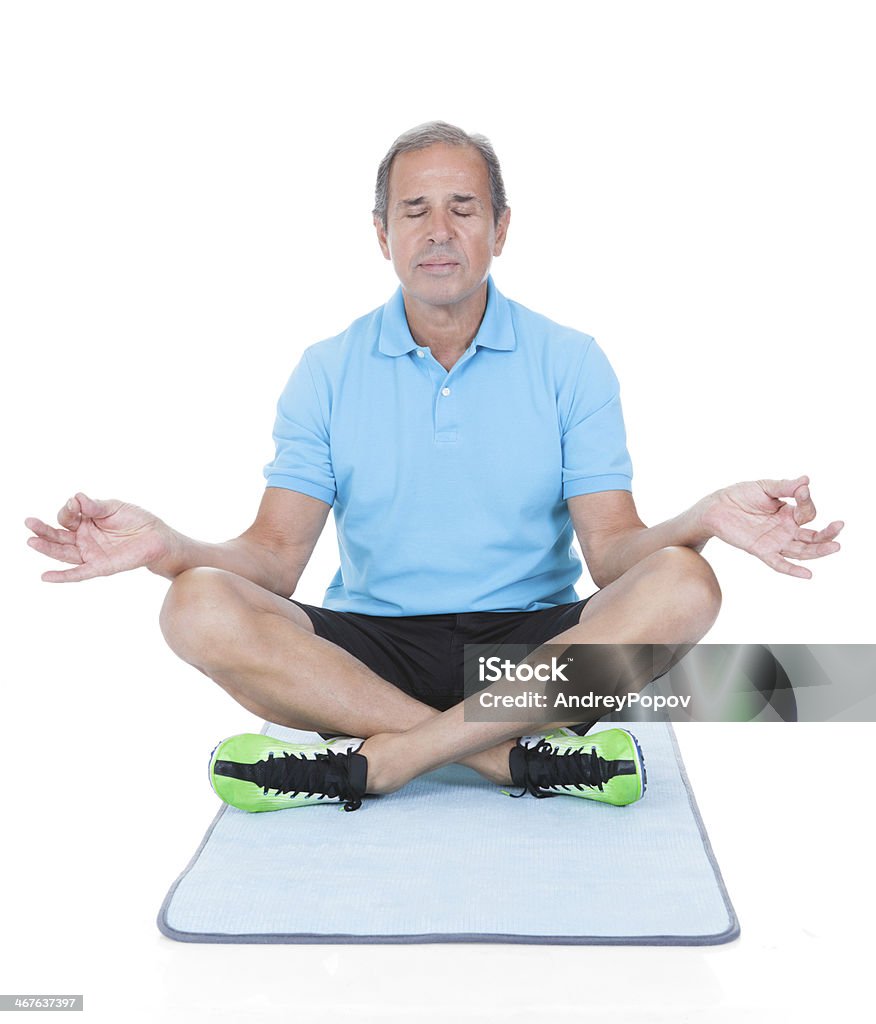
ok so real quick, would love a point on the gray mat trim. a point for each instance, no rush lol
(728, 935)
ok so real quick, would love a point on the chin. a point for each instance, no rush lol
(441, 292)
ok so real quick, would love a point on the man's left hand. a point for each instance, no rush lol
(755, 517)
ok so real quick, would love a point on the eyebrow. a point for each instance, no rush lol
(456, 197)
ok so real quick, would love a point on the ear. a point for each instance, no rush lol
(382, 240)
(502, 231)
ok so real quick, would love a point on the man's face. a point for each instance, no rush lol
(440, 233)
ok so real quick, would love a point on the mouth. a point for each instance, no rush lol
(438, 266)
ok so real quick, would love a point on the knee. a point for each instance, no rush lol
(197, 614)
(691, 586)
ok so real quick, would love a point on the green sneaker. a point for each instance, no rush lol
(606, 766)
(245, 769)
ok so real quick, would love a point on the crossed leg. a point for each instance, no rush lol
(262, 650)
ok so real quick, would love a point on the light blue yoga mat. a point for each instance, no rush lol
(449, 858)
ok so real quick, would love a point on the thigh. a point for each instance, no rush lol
(261, 599)
(411, 651)
(208, 588)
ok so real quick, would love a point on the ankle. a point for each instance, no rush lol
(494, 765)
(383, 772)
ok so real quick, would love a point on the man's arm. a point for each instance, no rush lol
(100, 538)
(273, 552)
(752, 516)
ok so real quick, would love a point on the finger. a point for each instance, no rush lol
(70, 514)
(831, 530)
(62, 552)
(804, 551)
(828, 533)
(783, 488)
(80, 572)
(775, 561)
(42, 529)
(805, 510)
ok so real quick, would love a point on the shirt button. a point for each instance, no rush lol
(421, 354)
(445, 391)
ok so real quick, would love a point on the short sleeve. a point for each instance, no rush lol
(302, 460)
(594, 440)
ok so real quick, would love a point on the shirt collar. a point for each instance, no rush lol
(496, 330)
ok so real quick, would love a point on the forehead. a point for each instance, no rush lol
(439, 170)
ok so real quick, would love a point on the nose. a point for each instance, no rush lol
(439, 227)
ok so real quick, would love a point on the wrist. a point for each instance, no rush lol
(170, 559)
(700, 520)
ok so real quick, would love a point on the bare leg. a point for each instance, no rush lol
(671, 597)
(261, 649)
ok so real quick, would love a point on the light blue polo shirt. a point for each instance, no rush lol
(449, 487)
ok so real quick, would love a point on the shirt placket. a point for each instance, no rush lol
(445, 404)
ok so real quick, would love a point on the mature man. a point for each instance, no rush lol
(460, 438)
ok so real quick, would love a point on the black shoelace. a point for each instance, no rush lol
(544, 767)
(324, 775)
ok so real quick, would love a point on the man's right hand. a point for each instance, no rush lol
(100, 538)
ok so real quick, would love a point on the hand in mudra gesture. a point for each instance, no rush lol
(754, 517)
(100, 538)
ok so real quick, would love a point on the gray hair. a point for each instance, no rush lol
(430, 134)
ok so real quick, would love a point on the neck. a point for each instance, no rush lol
(447, 330)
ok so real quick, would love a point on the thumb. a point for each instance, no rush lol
(94, 509)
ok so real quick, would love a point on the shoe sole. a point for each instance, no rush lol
(640, 757)
(210, 764)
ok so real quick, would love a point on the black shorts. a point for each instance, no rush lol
(423, 654)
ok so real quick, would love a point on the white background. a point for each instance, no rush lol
(186, 191)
